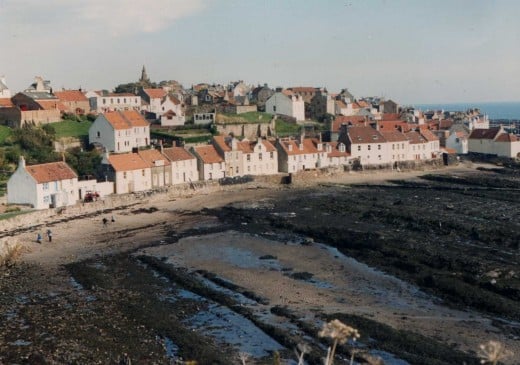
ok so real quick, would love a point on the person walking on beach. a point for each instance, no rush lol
(105, 221)
(39, 238)
(49, 235)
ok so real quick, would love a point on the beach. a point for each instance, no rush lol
(188, 234)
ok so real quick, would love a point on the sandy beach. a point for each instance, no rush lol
(340, 284)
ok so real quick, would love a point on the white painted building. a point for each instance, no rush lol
(458, 141)
(43, 186)
(247, 157)
(297, 154)
(129, 172)
(183, 165)
(102, 102)
(210, 164)
(168, 109)
(286, 104)
(366, 144)
(494, 141)
(120, 131)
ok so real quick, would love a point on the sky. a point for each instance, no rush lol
(410, 51)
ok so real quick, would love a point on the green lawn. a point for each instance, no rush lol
(69, 128)
(4, 133)
(286, 128)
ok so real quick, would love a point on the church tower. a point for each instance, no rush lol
(144, 77)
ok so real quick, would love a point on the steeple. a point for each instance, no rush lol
(144, 76)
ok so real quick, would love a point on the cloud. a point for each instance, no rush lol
(124, 17)
(113, 17)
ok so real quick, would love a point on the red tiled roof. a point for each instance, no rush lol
(153, 155)
(389, 125)
(268, 145)
(125, 119)
(484, 133)
(335, 150)
(341, 104)
(155, 93)
(390, 116)
(414, 137)
(303, 89)
(393, 136)
(127, 162)
(53, 171)
(308, 146)
(428, 135)
(208, 154)
(347, 120)
(358, 135)
(507, 137)
(6, 103)
(445, 123)
(70, 95)
(51, 104)
(177, 154)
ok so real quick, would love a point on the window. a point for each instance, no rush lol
(98, 134)
(393, 146)
(379, 157)
(359, 148)
(104, 101)
(236, 169)
(378, 146)
(142, 172)
(271, 154)
(274, 108)
(124, 175)
(369, 147)
(248, 157)
(45, 186)
(260, 156)
(118, 101)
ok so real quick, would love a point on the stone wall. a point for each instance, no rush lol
(248, 130)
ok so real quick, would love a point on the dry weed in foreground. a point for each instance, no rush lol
(9, 253)
(302, 349)
(243, 357)
(493, 352)
(339, 333)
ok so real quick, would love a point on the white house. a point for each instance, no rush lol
(183, 165)
(129, 172)
(120, 131)
(102, 101)
(297, 154)
(43, 186)
(288, 104)
(366, 144)
(166, 108)
(210, 164)
(398, 145)
(494, 141)
(247, 157)
(458, 140)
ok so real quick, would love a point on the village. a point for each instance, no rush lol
(323, 131)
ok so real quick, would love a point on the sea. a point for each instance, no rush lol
(495, 110)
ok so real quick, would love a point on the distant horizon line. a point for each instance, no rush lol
(464, 102)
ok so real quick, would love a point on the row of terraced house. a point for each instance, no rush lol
(131, 164)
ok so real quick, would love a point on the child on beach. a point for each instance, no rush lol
(39, 238)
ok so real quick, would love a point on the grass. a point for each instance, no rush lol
(286, 128)
(250, 117)
(8, 215)
(69, 128)
(4, 133)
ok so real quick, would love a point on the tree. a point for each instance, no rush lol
(85, 163)
(36, 142)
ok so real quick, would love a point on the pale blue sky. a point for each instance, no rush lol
(412, 51)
